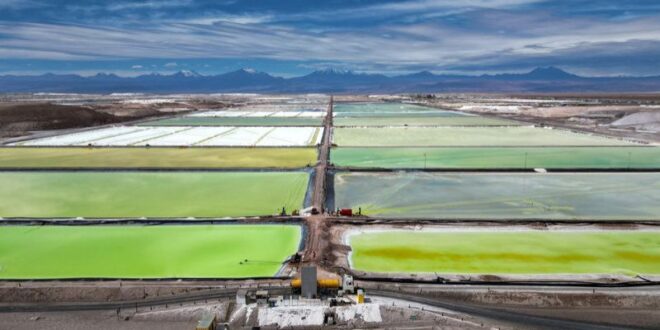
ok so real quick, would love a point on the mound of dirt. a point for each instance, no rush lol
(639, 118)
(647, 120)
(16, 119)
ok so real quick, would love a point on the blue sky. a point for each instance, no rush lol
(294, 37)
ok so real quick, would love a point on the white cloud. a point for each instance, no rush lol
(137, 67)
(494, 37)
(243, 19)
(115, 6)
(416, 8)
(429, 5)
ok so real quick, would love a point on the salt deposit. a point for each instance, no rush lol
(83, 138)
(292, 316)
(141, 137)
(187, 136)
(289, 136)
(369, 313)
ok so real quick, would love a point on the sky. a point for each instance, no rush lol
(295, 37)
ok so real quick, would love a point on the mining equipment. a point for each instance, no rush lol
(333, 297)
(346, 212)
(309, 211)
(310, 286)
(349, 212)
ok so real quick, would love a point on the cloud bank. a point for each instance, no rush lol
(472, 36)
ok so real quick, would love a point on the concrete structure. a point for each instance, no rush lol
(309, 286)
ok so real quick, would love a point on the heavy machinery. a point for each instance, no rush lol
(328, 286)
(349, 212)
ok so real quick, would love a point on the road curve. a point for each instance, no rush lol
(530, 321)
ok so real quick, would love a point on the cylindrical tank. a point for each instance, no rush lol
(328, 283)
(325, 283)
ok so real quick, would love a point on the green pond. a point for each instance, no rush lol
(150, 194)
(501, 196)
(497, 157)
(131, 251)
(507, 252)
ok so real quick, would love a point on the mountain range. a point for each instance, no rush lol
(549, 79)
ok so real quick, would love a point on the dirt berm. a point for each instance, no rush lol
(16, 119)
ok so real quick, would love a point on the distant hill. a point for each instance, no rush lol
(548, 79)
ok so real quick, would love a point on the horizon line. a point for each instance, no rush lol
(252, 71)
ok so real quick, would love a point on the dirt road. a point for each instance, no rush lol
(318, 199)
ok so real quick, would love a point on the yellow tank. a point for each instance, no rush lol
(328, 283)
(324, 283)
(360, 297)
